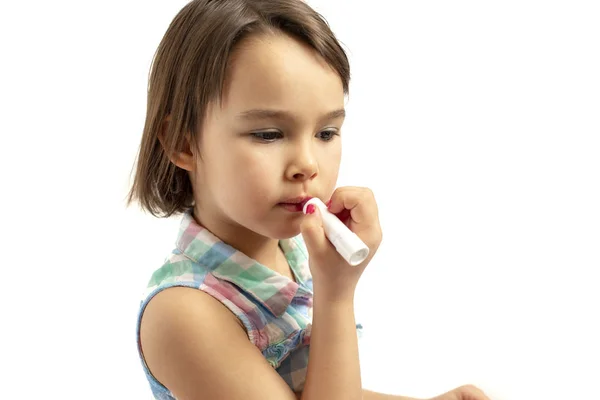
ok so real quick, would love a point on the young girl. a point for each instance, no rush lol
(245, 110)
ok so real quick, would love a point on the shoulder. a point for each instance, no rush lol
(176, 305)
(177, 274)
(194, 345)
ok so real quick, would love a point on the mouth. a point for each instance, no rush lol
(295, 204)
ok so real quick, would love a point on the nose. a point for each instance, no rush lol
(303, 163)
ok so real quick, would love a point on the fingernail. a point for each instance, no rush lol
(328, 203)
(310, 209)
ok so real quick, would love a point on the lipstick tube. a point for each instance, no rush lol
(346, 242)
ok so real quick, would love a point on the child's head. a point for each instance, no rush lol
(245, 108)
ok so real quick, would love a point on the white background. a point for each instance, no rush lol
(476, 124)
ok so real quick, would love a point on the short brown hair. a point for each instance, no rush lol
(187, 73)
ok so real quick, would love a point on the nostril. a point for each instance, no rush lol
(300, 177)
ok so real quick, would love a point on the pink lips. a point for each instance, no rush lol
(303, 202)
(295, 204)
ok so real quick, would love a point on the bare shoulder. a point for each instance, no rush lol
(199, 350)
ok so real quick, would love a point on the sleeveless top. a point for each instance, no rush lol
(275, 311)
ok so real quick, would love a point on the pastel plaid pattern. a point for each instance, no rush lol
(275, 311)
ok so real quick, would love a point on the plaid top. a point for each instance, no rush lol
(275, 311)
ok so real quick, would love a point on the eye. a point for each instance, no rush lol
(328, 135)
(268, 136)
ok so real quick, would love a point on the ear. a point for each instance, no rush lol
(184, 158)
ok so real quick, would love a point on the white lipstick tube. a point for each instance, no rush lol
(346, 242)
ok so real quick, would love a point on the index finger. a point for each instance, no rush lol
(359, 201)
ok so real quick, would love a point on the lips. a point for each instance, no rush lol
(296, 203)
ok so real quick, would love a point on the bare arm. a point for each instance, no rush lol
(197, 348)
(333, 368)
(333, 371)
(368, 395)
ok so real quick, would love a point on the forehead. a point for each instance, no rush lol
(278, 71)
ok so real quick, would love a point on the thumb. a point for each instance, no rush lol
(313, 232)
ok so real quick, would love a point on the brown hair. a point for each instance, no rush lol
(187, 73)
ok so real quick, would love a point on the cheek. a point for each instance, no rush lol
(251, 176)
(330, 164)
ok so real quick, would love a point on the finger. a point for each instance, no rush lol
(313, 233)
(471, 392)
(343, 216)
(360, 203)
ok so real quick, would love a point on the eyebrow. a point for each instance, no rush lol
(258, 114)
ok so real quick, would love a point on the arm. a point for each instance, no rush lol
(333, 370)
(466, 390)
(196, 347)
(368, 395)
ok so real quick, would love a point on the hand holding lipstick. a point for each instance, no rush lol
(330, 269)
(346, 242)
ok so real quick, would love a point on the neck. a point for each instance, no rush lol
(263, 249)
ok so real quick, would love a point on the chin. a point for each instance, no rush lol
(286, 231)
(276, 227)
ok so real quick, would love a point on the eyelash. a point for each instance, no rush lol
(262, 139)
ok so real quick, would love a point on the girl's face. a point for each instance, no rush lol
(275, 137)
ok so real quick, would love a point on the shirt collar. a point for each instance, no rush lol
(274, 291)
